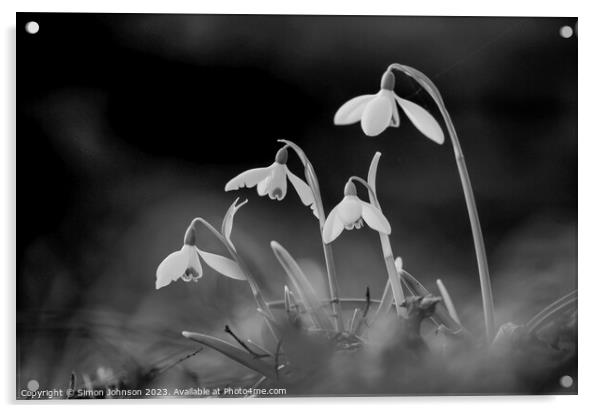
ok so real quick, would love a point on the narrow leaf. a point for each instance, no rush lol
(355, 321)
(228, 221)
(372, 176)
(346, 302)
(449, 304)
(386, 302)
(303, 286)
(258, 348)
(287, 302)
(385, 242)
(505, 336)
(270, 321)
(236, 354)
(547, 313)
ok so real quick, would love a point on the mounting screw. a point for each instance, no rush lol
(32, 27)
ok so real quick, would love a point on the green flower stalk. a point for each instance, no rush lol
(223, 265)
(186, 265)
(312, 180)
(396, 287)
(272, 181)
(379, 111)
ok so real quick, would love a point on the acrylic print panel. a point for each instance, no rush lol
(277, 206)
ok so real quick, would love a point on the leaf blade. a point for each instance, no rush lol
(449, 304)
(302, 285)
(228, 221)
(394, 281)
(234, 353)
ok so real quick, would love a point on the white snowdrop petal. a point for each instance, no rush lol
(277, 184)
(422, 120)
(248, 178)
(171, 268)
(332, 227)
(223, 265)
(228, 221)
(349, 210)
(262, 187)
(193, 259)
(303, 190)
(351, 111)
(377, 115)
(375, 219)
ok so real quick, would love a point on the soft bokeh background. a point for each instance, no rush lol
(130, 125)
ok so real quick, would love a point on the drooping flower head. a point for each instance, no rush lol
(185, 264)
(272, 181)
(378, 111)
(351, 213)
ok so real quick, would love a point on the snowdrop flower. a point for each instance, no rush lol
(351, 213)
(272, 181)
(379, 111)
(186, 263)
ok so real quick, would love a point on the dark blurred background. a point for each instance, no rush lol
(130, 125)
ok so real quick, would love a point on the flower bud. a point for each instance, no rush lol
(350, 189)
(387, 82)
(190, 236)
(282, 156)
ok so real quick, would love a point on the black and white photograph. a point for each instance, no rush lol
(282, 206)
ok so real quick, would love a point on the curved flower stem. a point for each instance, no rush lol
(259, 299)
(471, 205)
(312, 181)
(396, 287)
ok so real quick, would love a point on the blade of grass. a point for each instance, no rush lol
(348, 302)
(449, 304)
(244, 345)
(234, 353)
(385, 303)
(259, 347)
(354, 321)
(559, 305)
(228, 220)
(385, 242)
(158, 371)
